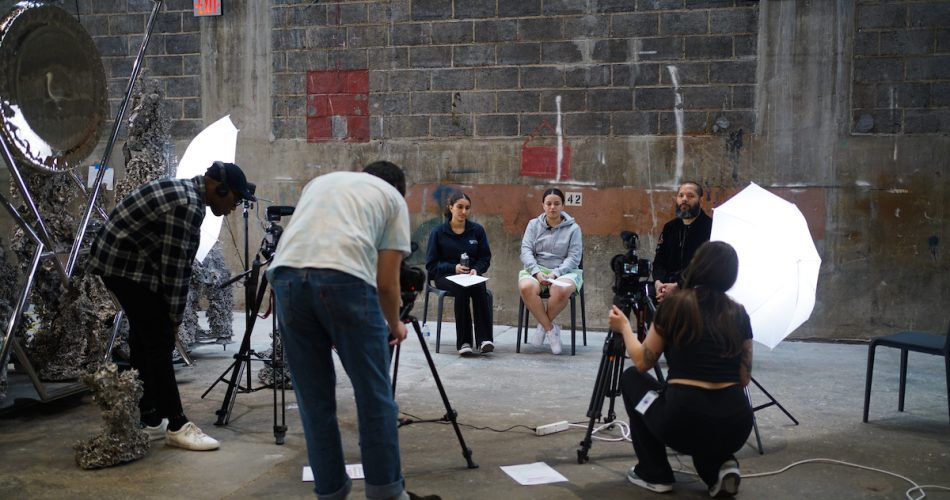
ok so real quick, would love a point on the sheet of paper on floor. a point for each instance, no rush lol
(355, 471)
(536, 473)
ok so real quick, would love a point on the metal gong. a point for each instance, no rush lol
(53, 97)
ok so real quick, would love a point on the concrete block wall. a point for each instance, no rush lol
(460, 69)
(901, 68)
(771, 92)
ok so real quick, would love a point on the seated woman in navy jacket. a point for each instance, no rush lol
(447, 244)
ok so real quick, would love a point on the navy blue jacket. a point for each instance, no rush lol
(445, 249)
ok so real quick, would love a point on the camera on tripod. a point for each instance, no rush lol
(412, 281)
(273, 231)
(630, 272)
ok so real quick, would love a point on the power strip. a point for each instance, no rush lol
(544, 430)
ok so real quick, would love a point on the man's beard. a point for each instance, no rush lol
(689, 213)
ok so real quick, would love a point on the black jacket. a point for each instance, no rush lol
(676, 247)
(445, 249)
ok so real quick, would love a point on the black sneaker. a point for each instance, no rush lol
(465, 350)
(413, 496)
(728, 484)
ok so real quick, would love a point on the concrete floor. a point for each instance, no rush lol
(820, 384)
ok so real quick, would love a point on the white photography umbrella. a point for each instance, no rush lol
(778, 262)
(217, 142)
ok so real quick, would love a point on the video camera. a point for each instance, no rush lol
(274, 231)
(631, 273)
(412, 281)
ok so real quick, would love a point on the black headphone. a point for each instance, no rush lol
(222, 189)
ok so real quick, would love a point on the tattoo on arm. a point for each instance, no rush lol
(649, 357)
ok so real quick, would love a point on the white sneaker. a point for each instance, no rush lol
(728, 483)
(554, 338)
(537, 338)
(465, 350)
(190, 437)
(156, 432)
(487, 347)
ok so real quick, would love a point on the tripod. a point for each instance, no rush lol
(253, 280)
(607, 383)
(450, 414)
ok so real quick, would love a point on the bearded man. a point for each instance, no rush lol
(680, 238)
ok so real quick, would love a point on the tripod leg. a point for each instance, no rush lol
(449, 412)
(277, 364)
(605, 372)
(755, 423)
(774, 401)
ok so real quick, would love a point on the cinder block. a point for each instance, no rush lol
(519, 8)
(907, 42)
(453, 79)
(496, 125)
(125, 24)
(708, 97)
(634, 123)
(610, 99)
(423, 103)
(709, 47)
(541, 77)
(561, 52)
(411, 34)
(654, 98)
(187, 43)
(739, 20)
(319, 128)
(163, 65)
(931, 14)
(732, 72)
(522, 101)
(409, 80)
(497, 78)
(612, 50)
(424, 10)
(357, 128)
(348, 105)
(689, 73)
(885, 69)
(453, 32)
(684, 23)
(405, 126)
(903, 95)
(661, 49)
(519, 53)
(635, 25)
(430, 57)
(586, 124)
(474, 9)
(588, 76)
(473, 102)
(544, 28)
(562, 7)
(347, 13)
(571, 100)
(694, 123)
(590, 26)
(326, 82)
(473, 55)
(880, 16)
(455, 125)
(631, 5)
(496, 31)
(635, 74)
(367, 36)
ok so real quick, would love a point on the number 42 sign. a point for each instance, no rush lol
(574, 199)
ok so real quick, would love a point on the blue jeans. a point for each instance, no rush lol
(322, 309)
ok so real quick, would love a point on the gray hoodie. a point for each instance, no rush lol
(557, 248)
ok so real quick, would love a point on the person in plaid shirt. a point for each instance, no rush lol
(144, 256)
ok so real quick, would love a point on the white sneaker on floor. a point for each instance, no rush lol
(537, 338)
(487, 347)
(728, 484)
(554, 338)
(654, 487)
(465, 350)
(190, 437)
(156, 432)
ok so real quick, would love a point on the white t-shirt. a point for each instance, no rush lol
(342, 221)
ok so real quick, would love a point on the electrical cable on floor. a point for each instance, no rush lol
(857, 466)
(625, 436)
(442, 420)
(620, 424)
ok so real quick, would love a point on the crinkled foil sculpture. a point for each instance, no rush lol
(121, 439)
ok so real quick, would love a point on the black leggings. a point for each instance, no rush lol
(151, 342)
(707, 424)
(477, 295)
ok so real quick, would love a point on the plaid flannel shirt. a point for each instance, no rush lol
(152, 237)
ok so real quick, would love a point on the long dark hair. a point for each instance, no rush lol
(454, 197)
(554, 191)
(682, 320)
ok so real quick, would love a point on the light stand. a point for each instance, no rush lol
(772, 401)
(255, 286)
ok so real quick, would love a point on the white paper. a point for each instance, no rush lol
(355, 471)
(536, 473)
(565, 283)
(466, 279)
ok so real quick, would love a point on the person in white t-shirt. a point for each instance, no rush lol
(335, 276)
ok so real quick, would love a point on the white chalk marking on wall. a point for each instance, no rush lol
(648, 52)
(650, 183)
(897, 213)
(678, 113)
(560, 139)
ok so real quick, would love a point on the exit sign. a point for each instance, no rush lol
(208, 7)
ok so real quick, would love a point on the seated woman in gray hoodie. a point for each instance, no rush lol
(551, 252)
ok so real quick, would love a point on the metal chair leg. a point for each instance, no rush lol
(867, 380)
(903, 386)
